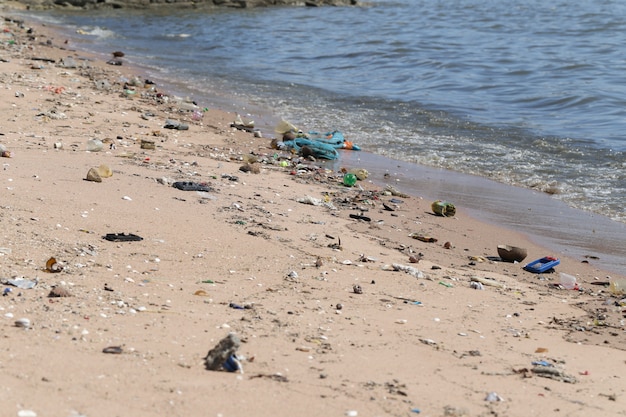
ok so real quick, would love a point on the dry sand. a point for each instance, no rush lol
(409, 343)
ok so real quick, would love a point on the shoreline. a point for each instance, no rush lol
(559, 228)
(249, 241)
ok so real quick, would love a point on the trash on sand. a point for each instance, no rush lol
(94, 145)
(360, 173)
(233, 364)
(23, 323)
(122, 237)
(423, 238)
(349, 180)
(116, 350)
(488, 281)
(93, 175)
(493, 396)
(395, 192)
(23, 283)
(553, 373)
(239, 123)
(217, 357)
(4, 153)
(360, 217)
(104, 171)
(568, 281)
(476, 285)
(405, 268)
(307, 199)
(617, 286)
(147, 144)
(192, 186)
(172, 124)
(541, 265)
(443, 208)
(53, 266)
(59, 292)
(511, 253)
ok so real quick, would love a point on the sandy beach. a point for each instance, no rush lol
(340, 309)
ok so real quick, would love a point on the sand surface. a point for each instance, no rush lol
(340, 311)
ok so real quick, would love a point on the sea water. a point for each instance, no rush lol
(530, 94)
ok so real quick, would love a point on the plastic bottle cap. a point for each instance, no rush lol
(349, 179)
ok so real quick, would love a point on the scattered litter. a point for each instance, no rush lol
(488, 281)
(93, 175)
(59, 292)
(23, 323)
(349, 180)
(23, 283)
(94, 145)
(192, 186)
(429, 342)
(405, 268)
(315, 202)
(492, 396)
(122, 237)
(360, 217)
(276, 377)
(423, 238)
(443, 208)
(553, 373)
(222, 352)
(568, 281)
(393, 191)
(172, 124)
(53, 266)
(116, 350)
(511, 253)
(233, 364)
(541, 265)
(147, 144)
(476, 285)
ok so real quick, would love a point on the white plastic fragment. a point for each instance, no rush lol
(476, 285)
(307, 199)
(23, 323)
(22, 283)
(408, 269)
(493, 396)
